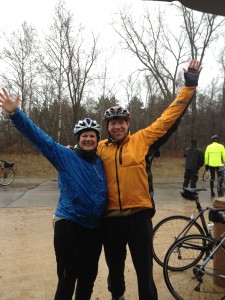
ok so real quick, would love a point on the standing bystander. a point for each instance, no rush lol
(194, 161)
(214, 157)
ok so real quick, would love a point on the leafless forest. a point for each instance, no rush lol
(56, 76)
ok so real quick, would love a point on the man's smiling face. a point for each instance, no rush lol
(118, 129)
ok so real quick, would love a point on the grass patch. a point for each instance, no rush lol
(37, 166)
(166, 167)
(31, 165)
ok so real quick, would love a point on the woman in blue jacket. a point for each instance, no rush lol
(82, 201)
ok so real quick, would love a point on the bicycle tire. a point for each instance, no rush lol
(206, 176)
(194, 283)
(220, 187)
(7, 176)
(167, 231)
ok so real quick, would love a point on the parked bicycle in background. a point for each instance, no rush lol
(199, 262)
(7, 174)
(221, 181)
(172, 228)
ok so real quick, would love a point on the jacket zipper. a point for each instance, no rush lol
(120, 155)
(117, 177)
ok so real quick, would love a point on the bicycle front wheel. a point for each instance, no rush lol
(7, 175)
(198, 281)
(206, 176)
(220, 187)
(167, 231)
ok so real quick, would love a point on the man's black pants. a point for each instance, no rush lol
(136, 231)
(213, 172)
(190, 176)
(77, 251)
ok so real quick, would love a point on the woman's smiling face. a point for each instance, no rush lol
(88, 140)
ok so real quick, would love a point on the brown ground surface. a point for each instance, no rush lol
(27, 260)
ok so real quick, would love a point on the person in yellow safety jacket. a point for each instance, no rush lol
(130, 207)
(214, 158)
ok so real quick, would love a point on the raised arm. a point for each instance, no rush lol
(7, 103)
(160, 131)
(37, 137)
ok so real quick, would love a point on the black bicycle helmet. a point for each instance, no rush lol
(86, 124)
(115, 112)
(215, 138)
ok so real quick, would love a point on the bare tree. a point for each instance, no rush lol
(81, 56)
(68, 60)
(222, 110)
(202, 29)
(154, 45)
(19, 57)
(54, 57)
(161, 51)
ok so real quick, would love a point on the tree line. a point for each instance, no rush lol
(59, 83)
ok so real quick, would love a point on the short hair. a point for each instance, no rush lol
(194, 142)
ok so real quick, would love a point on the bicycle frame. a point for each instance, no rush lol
(199, 216)
(213, 252)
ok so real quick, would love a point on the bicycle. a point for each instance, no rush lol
(7, 174)
(221, 181)
(204, 276)
(168, 230)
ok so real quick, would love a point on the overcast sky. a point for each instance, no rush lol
(94, 14)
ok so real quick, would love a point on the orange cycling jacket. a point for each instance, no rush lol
(125, 164)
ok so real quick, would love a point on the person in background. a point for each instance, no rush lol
(214, 157)
(128, 220)
(82, 201)
(194, 161)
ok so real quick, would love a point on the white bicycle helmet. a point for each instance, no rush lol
(215, 138)
(115, 112)
(86, 124)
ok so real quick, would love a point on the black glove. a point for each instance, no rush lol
(191, 77)
(206, 167)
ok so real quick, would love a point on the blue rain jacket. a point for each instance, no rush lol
(82, 184)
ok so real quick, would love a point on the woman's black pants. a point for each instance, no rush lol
(77, 251)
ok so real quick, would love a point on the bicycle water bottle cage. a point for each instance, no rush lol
(8, 164)
(217, 216)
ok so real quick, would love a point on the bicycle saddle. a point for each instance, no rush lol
(194, 190)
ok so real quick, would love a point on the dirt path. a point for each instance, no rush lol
(27, 260)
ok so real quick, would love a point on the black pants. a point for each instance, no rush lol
(136, 231)
(190, 177)
(77, 251)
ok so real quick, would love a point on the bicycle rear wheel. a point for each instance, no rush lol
(167, 231)
(220, 187)
(195, 282)
(7, 175)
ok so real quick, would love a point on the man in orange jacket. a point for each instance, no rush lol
(130, 207)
